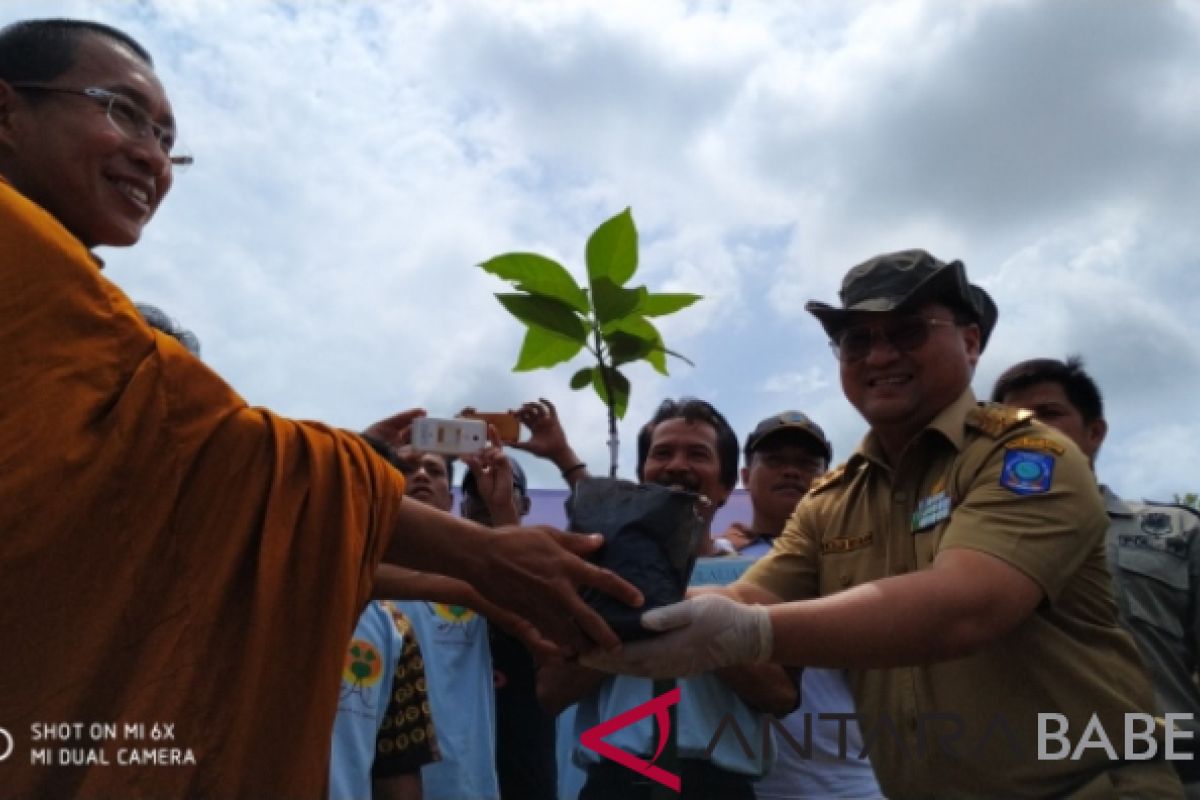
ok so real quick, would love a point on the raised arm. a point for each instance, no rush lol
(548, 440)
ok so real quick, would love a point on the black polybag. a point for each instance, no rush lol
(652, 535)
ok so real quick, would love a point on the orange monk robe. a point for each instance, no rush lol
(167, 554)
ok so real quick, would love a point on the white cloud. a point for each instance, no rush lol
(356, 160)
(806, 382)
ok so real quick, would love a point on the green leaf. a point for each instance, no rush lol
(538, 275)
(542, 348)
(624, 347)
(658, 305)
(612, 250)
(640, 328)
(582, 378)
(614, 302)
(680, 356)
(633, 325)
(620, 390)
(658, 359)
(552, 315)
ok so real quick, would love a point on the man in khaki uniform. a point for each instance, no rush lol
(1153, 549)
(954, 563)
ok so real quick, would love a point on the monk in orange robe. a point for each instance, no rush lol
(173, 562)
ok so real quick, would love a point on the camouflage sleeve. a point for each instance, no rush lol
(406, 739)
(1192, 633)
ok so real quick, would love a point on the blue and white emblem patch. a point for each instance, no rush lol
(1027, 471)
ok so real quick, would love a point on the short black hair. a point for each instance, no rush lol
(392, 456)
(1077, 385)
(158, 319)
(694, 410)
(37, 50)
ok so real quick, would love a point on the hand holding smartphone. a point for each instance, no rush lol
(453, 437)
(505, 422)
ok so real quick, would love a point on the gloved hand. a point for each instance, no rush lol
(701, 634)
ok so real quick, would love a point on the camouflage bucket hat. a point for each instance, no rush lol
(905, 280)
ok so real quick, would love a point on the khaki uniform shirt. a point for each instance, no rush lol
(1154, 554)
(989, 479)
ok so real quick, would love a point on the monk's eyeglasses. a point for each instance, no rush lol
(126, 116)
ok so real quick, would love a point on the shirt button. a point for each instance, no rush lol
(899, 497)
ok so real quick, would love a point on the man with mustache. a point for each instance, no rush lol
(686, 445)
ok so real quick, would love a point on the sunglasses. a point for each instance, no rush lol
(903, 333)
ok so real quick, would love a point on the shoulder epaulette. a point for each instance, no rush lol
(831, 478)
(995, 420)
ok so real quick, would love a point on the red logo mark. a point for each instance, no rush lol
(593, 738)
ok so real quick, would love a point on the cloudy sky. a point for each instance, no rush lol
(356, 160)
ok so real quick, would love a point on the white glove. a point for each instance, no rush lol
(702, 634)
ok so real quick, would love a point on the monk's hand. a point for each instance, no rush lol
(536, 572)
(538, 646)
(697, 635)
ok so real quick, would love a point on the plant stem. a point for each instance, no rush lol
(614, 444)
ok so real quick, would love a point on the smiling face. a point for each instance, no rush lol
(899, 392)
(684, 455)
(62, 152)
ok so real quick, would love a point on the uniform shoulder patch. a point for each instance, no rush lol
(1027, 472)
(831, 478)
(994, 419)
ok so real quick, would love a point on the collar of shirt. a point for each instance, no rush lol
(1115, 506)
(950, 423)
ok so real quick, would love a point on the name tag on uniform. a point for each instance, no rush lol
(846, 545)
(930, 511)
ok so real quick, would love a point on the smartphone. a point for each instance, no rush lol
(453, 437)
(508, 426)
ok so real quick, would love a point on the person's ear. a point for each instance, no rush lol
(973, 341)
(1096, 430)
(10, 106)
(523, 506)
(746, 476)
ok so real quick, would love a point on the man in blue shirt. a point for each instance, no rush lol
(686, 445)
(458, 665)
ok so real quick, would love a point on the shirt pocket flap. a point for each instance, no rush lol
(1155, 564)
